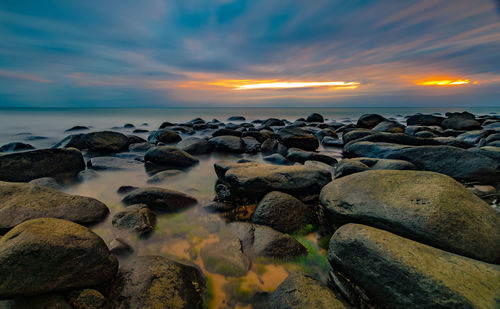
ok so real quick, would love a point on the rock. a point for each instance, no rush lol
(169, 156)
(128, 126)
(428, 207)
(369, 121)
(104, 142)
(157, 282)
(297, 138)
(389, 126)
(461, 121)
(159, 199)
(349, 166)
(356, 134)
(26, 166)
(283, 213)
(164, 175)
(452, 141)
(126, 189)
(254, 180)
(226, 132)
(302, 291)
(16, 146)
(86, 299)
(251, 144)
(236, 118)
(390, 271)
(276, 158)
(134, 139)
(228, 143)
(164, 136)
(262, 241)
(332, 142)
(315, 117)
(271, 146)
(46, 182)
(20, 202)
(119, 246)
(474, 136)
(195, 146)
(225, 257)
(299, 155)
(112, 163)
(49, 255)
(273, 122)
(424, 120)
(396, 138)
(77, 128)
(87, 175)
(140, 131)
(458, 163)
(46, 301)
(140, 147)
(391, 164)
(137, 218)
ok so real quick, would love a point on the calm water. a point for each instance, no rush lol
(182, 235)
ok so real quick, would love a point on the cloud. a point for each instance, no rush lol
(125, 49)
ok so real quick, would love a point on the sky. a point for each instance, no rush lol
(195, 53)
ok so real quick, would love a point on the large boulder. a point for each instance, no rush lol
(461, 121)
(300, 291)
(157, 282)
(254, 180)
(463, 165)
(164, 136)
(297, 138)
(103, 142)
(428, 207)
(20, 202)
(369, 121)
(283, 213)
(397, 138)
(26, 166)
(49, 255)
(169, 156)
(389, 126)
(113, 163)
(195, 146)
(228, 143)
(315, 117)
(389, 271)
(159, 199)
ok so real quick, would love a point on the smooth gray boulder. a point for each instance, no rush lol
(425, 206)
(20, 202)
(228, 143)
(29, 165)
(169, 156)
(297, 138)
(388, 271)
(159, 199)
(195, 146)
(103, 142)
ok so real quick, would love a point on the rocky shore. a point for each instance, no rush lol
(407, 213)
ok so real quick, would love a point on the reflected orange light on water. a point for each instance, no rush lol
(247, 84)
(445, 82)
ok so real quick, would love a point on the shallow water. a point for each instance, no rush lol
(182, 235)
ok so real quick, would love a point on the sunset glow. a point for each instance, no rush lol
(277, 84)
(446, 82)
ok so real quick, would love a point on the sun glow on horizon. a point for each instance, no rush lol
(445, 82)
(248, 84)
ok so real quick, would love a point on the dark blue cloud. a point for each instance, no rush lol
(80, 53)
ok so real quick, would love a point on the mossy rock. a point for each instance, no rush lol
(428, 207)
(388, 271)
(50, 255)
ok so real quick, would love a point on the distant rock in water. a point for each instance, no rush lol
(164, 136)
(50, 255)
(103, 142)
(16, 146)
(315, 117)
(77, 128)
(20, 202)
(29, 165)
(169, 156)
(236, 118)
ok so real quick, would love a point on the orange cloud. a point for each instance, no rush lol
(445, 82)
